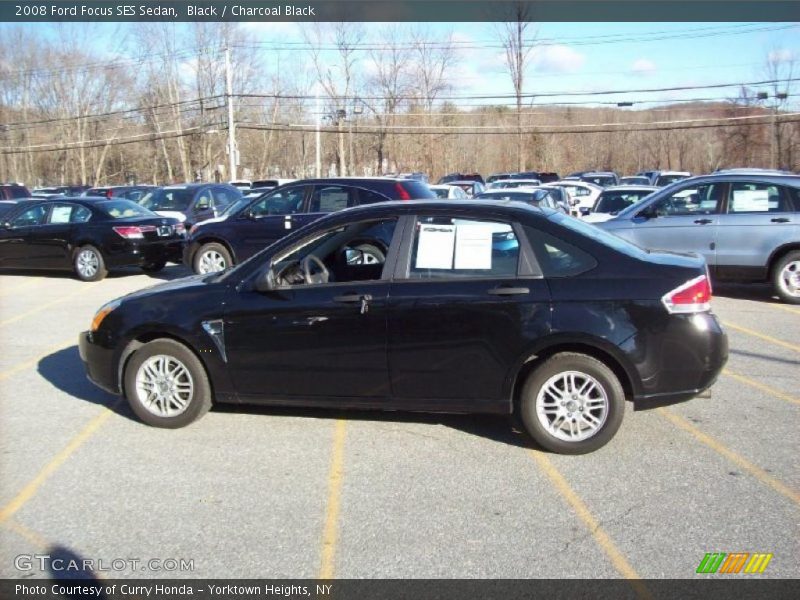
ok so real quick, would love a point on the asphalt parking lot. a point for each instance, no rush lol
(249, 492)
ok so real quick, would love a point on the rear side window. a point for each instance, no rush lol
(757, 198)
(370, 197)
(331, 198)
(556, 257)
(17, 191)
(452, 248)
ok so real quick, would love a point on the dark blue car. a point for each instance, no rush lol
(191, 203)
(239, 233)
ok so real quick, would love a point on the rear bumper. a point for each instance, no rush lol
(135, 253)
(98, 362)
(692, 352)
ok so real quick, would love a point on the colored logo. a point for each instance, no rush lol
(736, 562)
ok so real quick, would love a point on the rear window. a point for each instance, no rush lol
(16, 191)
(167, 199)
(417, 190)
(124, 209)
(667, 179)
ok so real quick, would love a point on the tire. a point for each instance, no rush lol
(605, 399)
(189, 396)
(154, 266)
(371, 254)
(786, 278)
(211, 258)
(88, 264)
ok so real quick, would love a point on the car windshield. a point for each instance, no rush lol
(613, 202)
(519, 195)
(601, 180)
(167, 199)
(124, 209)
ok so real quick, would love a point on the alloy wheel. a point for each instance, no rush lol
(572, 406)
(164, 386)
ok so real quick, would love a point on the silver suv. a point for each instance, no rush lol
(745, 224)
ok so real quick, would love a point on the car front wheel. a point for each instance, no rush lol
(786, 278)
(572, 404)
(167, 385)
(212, 257)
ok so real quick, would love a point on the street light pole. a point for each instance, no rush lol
(231, 125)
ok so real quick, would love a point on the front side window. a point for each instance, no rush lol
(354, 252)
(32, 216)
(453, 248)
(280, 202)
(695, 200)
(614, 202)
(756, 198)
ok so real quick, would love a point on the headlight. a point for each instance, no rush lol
(103, 313)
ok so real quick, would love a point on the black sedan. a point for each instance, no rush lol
(561, 323)
(87, 235)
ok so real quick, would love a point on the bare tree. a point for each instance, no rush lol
(780, 67)
(518, 46)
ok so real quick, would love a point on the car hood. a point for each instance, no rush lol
(185, 283)
(597, 217)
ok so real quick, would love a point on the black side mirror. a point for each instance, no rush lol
(648, 212)
(585, 210)
(267, 282)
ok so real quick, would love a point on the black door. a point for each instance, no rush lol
(15, 239)
(463, 308)
(51, 241)
(269, 219)
(307, 341)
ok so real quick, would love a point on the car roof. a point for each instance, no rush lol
(462, 207)
(628, 188)
(460, 181)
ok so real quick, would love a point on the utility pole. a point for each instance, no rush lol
(340, 115)
(775, 144)
(231, 125)
(318, 163)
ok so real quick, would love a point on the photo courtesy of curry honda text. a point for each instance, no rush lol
(477, 306)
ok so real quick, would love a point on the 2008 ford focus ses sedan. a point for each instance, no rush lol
(463, 306)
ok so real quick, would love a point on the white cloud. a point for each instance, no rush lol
(643, 66)
(781, 56)
(556, 59)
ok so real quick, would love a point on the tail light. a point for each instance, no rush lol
(134, 232)
(692, 297)
(401, 192)
(109, 193)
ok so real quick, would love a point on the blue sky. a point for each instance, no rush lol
(576, 57)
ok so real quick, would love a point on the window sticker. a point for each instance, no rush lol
(435, 247)
(750, 201)
(60, 214)
(474, 246)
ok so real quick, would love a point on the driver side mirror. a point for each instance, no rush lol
(267, 282)
(648, 212)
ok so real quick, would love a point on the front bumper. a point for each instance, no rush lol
(99, 362)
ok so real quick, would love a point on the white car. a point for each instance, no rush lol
(582, 194)
(504, 184)
(449, 192)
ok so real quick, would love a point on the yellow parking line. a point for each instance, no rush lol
(28, 534)
(739, 460)
(599, 534)
(760, 386)
(21, 286)
(766, 338)
(29, 491)
(786, 308)
(29, 363)
(47, 305)
(334, 499)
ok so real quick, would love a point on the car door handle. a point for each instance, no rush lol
(703, 221)
(509, 291)
(364, 299)
(780, 220)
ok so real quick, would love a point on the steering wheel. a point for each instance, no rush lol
(320, 276)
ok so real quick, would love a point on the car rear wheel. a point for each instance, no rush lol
(166, 384)
(572, 404)
(786, 278)
(88, 264)
(212, 257)
(154, 266)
